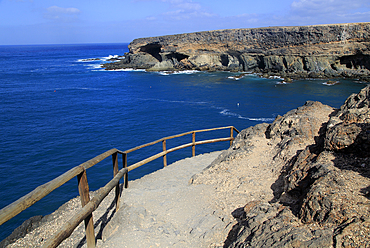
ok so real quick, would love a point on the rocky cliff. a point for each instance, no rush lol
(320, 159)
(307, 51)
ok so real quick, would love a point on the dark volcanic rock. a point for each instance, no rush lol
(349, 129)
(323, 199)
(322, 51)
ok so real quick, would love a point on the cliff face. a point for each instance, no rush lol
(321, 160)
(307, 51)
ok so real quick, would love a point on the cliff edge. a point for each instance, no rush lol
(320, 51)
(318, 162)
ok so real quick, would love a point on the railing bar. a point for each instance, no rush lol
(37, 194)
(175, 136)
(147, 160)
(97, 159)
(142, 146)
(41, 191)
(179, 147)
(197, 143)
(212, 141)
(66, 230)
(158, 155)
(155, 142)
(212, 129)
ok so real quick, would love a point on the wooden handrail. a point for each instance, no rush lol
(89, 206)
(179, 135)
(66, 230)
(40, 192)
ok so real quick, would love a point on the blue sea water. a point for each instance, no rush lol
(58, 110)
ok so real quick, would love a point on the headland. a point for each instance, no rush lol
(319, 51)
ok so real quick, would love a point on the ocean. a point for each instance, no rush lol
(59, 108)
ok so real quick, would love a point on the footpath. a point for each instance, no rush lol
(163, 210)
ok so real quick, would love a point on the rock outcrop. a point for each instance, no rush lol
(325, 51)
(321, 193)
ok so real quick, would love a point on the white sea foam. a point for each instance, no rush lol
(228, 113)
(240, 76)
(77, 88)
(100, 59)
(111, 57)
(234, 77)
(262, 119)
(128, 69)
(275, 77)
(95, 66)
(331, 83)
(171, 101)
(88, 60)
(167, 73)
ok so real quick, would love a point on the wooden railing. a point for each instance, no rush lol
(89, 206)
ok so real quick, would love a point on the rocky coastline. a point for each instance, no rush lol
(320, 159)
(301, 181)
(320, 51)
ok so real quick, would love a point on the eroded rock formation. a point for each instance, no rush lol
(321, 194)
(308, 51)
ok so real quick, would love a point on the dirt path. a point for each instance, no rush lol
(163, 210)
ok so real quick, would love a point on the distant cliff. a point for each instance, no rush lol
(307, 51)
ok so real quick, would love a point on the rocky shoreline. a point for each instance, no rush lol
(320, 51)
(301, 181)
(321, 159)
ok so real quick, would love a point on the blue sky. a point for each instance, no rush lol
(120, 21)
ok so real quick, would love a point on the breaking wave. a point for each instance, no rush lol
(227, 112)
(167, 73)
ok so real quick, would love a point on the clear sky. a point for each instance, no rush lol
(120, 21)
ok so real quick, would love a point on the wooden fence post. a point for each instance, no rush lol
(125, 177)
(164, 156)
(193, 147)
(232, 136)
(115, 171)
(83, 189)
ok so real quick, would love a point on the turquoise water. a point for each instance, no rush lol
(57, 111)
